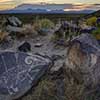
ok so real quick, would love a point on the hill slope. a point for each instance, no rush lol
(97, 14)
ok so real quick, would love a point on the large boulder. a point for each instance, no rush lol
(19, 72)
(83, 60)
(21, 31)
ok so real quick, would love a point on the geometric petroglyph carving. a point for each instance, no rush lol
(19, 72)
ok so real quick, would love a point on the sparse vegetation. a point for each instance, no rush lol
(42, 26)
(73, 90)
(29, 30)
(91, 21)
(96, 33)
(46, 23)
(47, 89)
(3, 36)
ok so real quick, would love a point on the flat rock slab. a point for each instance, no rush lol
(15, 29)
(19, 72)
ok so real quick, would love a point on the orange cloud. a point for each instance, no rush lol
(77, 7)
(4, 1)
(3, 7)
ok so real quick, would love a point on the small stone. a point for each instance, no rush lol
(43, 31)
(58, 65)
(38, 45)
(56, 57)
(25, 47)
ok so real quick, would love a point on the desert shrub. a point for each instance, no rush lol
(56, 37)
(73, 90)
(37, 24)
(28, 29)
(91, 21)
(44, 91)
(43, 23)
(96, 33)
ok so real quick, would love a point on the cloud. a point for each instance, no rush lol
(3, 1)
(82, 7)
(71, 4)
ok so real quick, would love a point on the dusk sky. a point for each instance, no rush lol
(6, 4)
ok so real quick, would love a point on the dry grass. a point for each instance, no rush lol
(3, 36)
(28, 29)
(44, 91)
(47, 90)
(74, 90)
(43, 24)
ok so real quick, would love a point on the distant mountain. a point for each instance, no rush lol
(43, 6)
(44, 9)
(96, 13)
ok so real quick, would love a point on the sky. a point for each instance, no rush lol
(7, 4)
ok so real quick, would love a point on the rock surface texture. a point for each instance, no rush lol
(83, 60)
(19, 72)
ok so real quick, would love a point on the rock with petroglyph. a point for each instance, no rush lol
(83, 60)
(19, 72)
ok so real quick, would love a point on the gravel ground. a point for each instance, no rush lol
(48, 47)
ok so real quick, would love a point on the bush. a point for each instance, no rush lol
(96, 33)
(28, 29)
(91, 21)
(45, 23)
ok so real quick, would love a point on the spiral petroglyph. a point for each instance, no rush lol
(29, 60)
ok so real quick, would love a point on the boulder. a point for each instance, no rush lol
(43, 31)
(24, 47)
(83, 60)
(19, 72)
(14, 21)
(14, 29)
